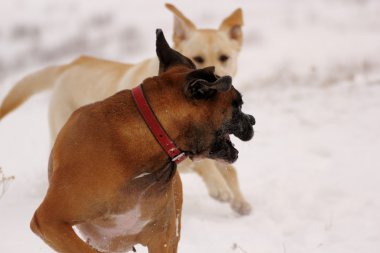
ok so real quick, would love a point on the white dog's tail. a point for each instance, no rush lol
(28, 86)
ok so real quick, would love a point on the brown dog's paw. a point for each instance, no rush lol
(241, 207)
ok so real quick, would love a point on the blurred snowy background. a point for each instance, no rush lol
(310, 74)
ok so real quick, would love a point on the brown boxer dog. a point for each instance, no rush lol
(111, 179)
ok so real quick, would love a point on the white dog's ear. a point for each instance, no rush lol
(232, 25)
(182, 25)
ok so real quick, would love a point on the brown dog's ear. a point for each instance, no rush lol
(167, 56)
(202, 83)
(232, 26)
(182, 25)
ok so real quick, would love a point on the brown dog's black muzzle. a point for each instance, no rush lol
(242, 126)
(251, 119)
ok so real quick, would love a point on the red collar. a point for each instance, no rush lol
(155, 127)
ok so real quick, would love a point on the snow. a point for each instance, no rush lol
(309, 72)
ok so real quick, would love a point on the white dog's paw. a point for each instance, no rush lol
(222, 194)
(242, 207)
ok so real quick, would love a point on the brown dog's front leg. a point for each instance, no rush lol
(165, 235)
(161, 247)
(162, 243)
(59, 235)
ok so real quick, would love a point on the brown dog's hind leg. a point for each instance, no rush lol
(238, 202)
(58, 234)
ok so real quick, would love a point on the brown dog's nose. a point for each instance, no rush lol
(252, 120)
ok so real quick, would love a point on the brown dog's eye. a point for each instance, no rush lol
(223, 58)
(199, 59)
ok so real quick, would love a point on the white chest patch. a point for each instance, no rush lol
(101, 236)
(129, 223)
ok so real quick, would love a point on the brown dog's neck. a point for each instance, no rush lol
(172, 109)
(155, 127)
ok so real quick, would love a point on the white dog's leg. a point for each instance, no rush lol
(214, 180)
(238, 202)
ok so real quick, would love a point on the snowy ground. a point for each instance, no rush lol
(309, 73)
